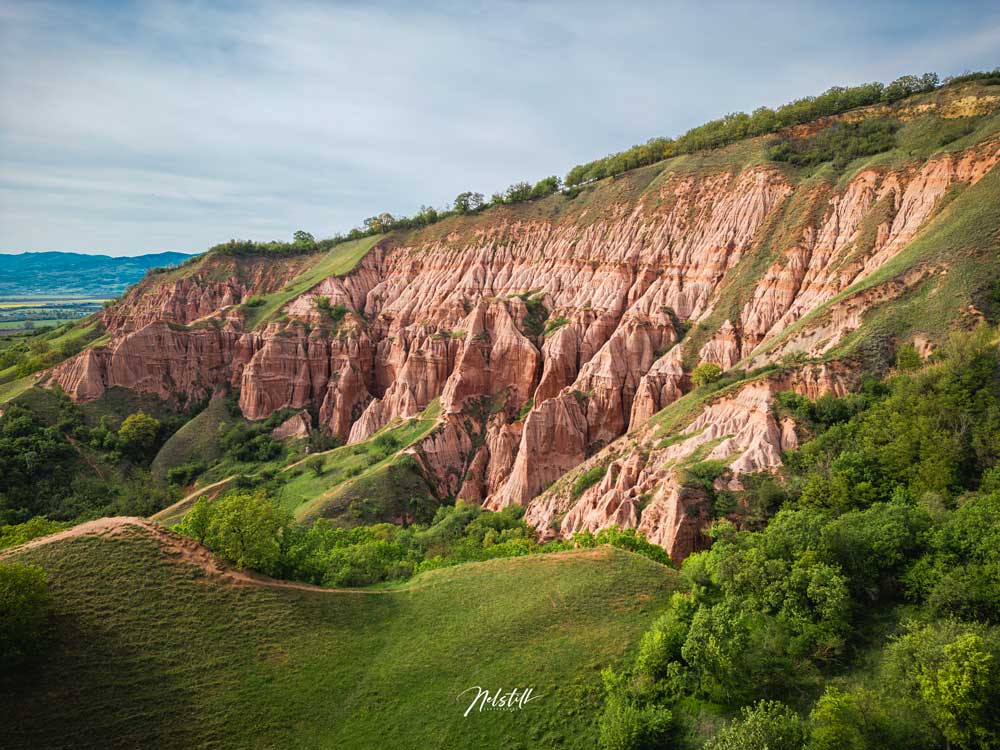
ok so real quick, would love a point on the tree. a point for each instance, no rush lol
(908, 358)
(626, 725)
(468, 202)
(848, 721)
(138, 434)
(380, 224)
(519, 191)
(546, 186)
(303, 238)
(767, 724)
(705, 373)
(24, 606)
(426, 216)
(195, 523)
(247, 530)
(315, 465)
(960, 690)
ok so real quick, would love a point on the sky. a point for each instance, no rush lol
(135, 127)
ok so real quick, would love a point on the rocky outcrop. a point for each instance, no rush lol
(548, 335)
(643, 484)
(296, 427)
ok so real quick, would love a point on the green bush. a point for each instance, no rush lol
(246, 529)
(317, 465)
(625, 726)
(705, 374)
(588, 479)
(840, 143)
(185, 474)
(335, 312)
(139, 434)
(39, 526)
(768, 724)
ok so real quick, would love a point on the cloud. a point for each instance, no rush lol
(147, 126)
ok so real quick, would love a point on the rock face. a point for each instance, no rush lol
(642, 486)
(297, 427)
(546, 340)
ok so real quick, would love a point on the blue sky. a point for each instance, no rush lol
(148, 126)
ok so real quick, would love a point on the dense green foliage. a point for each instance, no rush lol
(705, 373)
(868, 602)
(251, 531)
(58, 466)
(19, 533)
(763, 120)
(24, 606)
(840, 143)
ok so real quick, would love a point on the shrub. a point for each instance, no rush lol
(840, 143)
(11, 536)
(316, 464)
(138, 434)
(246, 529)
(335, 312)
(626, 725)
(706, 373)
(184, 474)
(767, 724)
(908, 358)
(588, 479)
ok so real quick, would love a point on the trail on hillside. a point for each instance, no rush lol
(189, 499)
(186, 550)
(194, 553)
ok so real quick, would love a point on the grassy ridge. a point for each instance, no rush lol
(196, 441)
(340, 260)
(371, 467)
(145, 651)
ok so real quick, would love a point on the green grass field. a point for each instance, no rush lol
(20, 325)
(13, 388)
(147, 651)
(340, 260)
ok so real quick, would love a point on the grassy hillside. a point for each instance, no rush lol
(364, 479)
(197, 440)
(148, 651)
(340, 260)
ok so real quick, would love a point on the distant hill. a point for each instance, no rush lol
(60, 275)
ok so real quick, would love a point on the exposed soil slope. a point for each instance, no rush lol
(549, 330)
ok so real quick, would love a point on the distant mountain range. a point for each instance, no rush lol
(54, 275)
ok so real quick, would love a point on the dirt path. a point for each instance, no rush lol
(182, 504)
(194, 553)
(184, 549)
